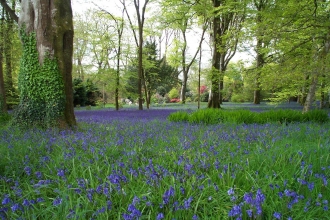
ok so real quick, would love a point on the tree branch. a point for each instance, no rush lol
(10, 11)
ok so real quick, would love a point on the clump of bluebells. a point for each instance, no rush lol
(138, 165)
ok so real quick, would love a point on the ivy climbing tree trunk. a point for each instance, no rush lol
(45, 79)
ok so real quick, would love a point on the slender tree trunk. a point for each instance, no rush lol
(8, 54)
(3, 104)
(140, 68)
(214, 100)
(261, 6)
(260, 64)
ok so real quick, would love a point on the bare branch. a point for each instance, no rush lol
(10, 11)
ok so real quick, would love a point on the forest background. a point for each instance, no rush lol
(264, 50)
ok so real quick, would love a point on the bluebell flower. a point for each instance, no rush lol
(277, 215)
(71, 214)
(310, 186)
(160, 216)
(61, 173)
(15, 207)
(57, 201)
(26, 202)
(40, 200)
(6, 200)
(249, 212)
(195, 217)
(109, 205)
(235, 211)
(38, 175)
(182, 190)
(28, 170)
(231, 192)
(168, 193)
(136, 200)
(187, 203)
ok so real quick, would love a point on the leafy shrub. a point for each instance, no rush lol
(237, 98)
(214, 116)
(173, 94)
(179, 116)
(205, 97)
(4, 118)
(319, 116)
(161, 90)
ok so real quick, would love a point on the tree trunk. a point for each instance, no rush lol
(3, 104)
(140, 68)
(51, 21)
(214, 100)
(311, 94)
(8, 53)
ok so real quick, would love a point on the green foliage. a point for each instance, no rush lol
(79, 92)
(4, 118)
(92, 92)
(179, 116)
(173, 94)
(161, 90)
(215, 116)
(85, 93)
(204, 96)
(42, 99)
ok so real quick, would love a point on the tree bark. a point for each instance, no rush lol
(311, 94)
(51, 21)
(214, 100)
(3, 104)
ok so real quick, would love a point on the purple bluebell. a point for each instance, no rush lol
(277, 215)
(61, 173)
(38, 175)
(168, 193)
(28, 170)
(187, 203)
(57, 201)
(249, 212)
(6, 200)
(235, 211)
(15, 207)
(231, 192)
(160, 216)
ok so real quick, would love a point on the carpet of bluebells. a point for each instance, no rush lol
(137, 165)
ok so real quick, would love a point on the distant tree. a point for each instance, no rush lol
(92, 93)
(79, 92)
(228, 17)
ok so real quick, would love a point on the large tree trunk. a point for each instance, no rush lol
(51, 21)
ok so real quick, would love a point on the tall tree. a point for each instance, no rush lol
(3, 104)
(228, 17)
(181, 16)
(119, 28)
(45, 79)
(262, 43)
(140, 9)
